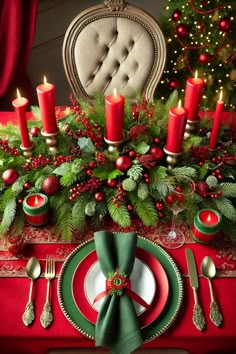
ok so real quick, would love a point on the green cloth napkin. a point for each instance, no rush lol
(117, 326)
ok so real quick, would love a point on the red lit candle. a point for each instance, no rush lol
(207, 225)
(46, 98)
(193, 96)
(36, 209)
(114, 117)
(176, 126)
(216, 122)
(20, 104)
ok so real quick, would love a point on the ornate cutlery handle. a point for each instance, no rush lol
(215, 314)
(46, 317)
(28, 316)
(198, 317)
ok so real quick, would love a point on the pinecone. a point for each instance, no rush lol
(90, 208)
(129, 185)
(143, 191)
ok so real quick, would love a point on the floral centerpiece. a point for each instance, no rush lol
(87, 182)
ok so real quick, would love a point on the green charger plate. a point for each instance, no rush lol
(151, 331)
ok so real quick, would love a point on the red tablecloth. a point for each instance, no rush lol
(14, 287)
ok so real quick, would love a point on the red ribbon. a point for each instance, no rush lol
(127, 290)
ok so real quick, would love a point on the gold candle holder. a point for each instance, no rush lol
(114, 145)
(190, 128)
(172, 158)
(27, 151)
(51, 141)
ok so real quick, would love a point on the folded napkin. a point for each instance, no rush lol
(117, 326)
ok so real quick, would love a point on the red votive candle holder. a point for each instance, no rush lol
(207, 225)
(36, 209)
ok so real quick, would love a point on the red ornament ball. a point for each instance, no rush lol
(123, 163)
(204, 58)
(99, 196)
(10, 176)
(159, 205)
(225, 24)
(51, 185)
(156, 152)
(183, 30)
(170, 198)
(35, 131)
(111, 182)
(176, 16)
(174, 84)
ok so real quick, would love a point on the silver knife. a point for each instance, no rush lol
(198, 317)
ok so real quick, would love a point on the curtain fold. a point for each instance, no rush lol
(17, 28)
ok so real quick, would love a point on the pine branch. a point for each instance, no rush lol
(226, 208)
(228, 189)
(145, 209)
(119, 214)
(64, 223)
(78, 212)
(8, 216)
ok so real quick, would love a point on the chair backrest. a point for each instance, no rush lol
(114, 45)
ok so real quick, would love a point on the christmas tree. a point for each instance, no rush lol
(200, 35)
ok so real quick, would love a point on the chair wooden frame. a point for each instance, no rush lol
(113, 8)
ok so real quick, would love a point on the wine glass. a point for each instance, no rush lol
(180, 188)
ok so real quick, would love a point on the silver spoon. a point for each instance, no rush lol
(209, 271)
(33, 270)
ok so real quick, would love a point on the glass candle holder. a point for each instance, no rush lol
(36, 209)
(207, 225)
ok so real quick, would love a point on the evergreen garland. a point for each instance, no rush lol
(93, 189)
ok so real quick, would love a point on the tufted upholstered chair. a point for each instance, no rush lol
(114, 45)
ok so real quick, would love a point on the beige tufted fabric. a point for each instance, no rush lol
(123, 49)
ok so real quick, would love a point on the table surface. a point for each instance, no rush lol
(14, 290)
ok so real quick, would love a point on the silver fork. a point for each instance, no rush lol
(47, 317)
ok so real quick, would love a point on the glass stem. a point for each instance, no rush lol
(172, 232)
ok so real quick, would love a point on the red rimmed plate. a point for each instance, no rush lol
(146, 317)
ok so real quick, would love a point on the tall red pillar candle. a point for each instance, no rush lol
(193, 96)
(20, 104)
(46, 98)
(176, 126)
(114, 117)
(216, 122)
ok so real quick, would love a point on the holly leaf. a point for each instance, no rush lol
(62, 169)
(106, 172)
(86, 145)
(142, 148)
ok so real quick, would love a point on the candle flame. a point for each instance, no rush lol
(115, 92)
(208, 219)
(221, 95)
(179, 104)
(36, 200)
(196, 74)
(18, 93)
(44, 79)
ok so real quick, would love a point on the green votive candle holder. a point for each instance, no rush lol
(207, 226)
(36, 209)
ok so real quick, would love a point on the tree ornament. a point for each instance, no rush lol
(176, 16)
(51, 185)
(174, 84)
(204, 58)
(201, 27)
(99, 196)
(123, 163)
(35, 131)
(183, 30)
(130, 207)
(111, 182)
(157, 152)
(225, 24)
(10, 176)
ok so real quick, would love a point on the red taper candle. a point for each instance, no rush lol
(20, 104)
(193, 96)
(46, 98)
(114, 117)
(176, 126)
(216, 122)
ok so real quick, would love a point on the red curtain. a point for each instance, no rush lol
(17, 28)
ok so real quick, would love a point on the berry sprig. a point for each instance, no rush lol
(13, 151)
(90, 185)
(36, 163)
(120, 195)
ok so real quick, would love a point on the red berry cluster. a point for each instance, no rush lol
(86, 186)
(89, 168)
(199, 153)
(217, 173)
(9, 150)
(101, 158)
(142, 107)
(120, 195)
(36, 163)
(59, 160)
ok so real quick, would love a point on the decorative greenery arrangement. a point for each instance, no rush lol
(86, 183)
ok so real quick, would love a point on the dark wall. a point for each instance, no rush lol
(53, 18)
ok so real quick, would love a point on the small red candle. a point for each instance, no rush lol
(20, 104)
(35, 200)
(193, 96)
(46, 98)
(114, 117)
(207, 225)
(208, 217)
(36, 209)
(176, 126)
(216, 122)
